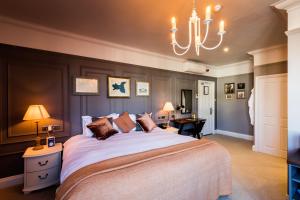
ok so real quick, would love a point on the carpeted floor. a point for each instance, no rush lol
(256, 176)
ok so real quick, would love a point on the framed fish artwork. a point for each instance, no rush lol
(118, 87)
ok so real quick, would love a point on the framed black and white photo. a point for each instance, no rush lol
(228, 96)
(86, 86)
(240, 94)
(205, 90)
(142, 88)
(229, 88)
(118, 87)
(241, 86)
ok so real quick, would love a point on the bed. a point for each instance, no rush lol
(137, 165)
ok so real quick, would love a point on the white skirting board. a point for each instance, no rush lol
(233, 134)
(11, 181)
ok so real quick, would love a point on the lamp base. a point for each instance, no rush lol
(36, 148)
(38, 145)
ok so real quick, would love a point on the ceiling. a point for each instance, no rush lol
(145, 24)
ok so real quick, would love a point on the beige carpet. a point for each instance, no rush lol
(256, 176)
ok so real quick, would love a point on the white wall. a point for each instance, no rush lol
(293, 9)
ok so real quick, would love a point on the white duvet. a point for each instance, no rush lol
(80, 150)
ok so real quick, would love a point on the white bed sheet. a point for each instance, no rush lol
(80, 150)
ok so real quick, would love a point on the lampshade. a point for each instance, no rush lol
(36, 112)
(168, 107)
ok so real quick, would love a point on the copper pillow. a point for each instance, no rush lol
(102, 128)
(124, 122)
(147, 123)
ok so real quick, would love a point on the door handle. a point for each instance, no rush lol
(210, 111)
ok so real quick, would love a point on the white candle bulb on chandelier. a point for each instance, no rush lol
(195, 24)
(208, 13)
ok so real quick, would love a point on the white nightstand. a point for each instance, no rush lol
(42, 167)
(171, 129)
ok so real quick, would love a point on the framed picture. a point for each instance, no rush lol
(229, 88)
(142, 88)
(229, 96)
(241, 86)
(240, 94)
(205, 90)
(118, 87)
(85, 86)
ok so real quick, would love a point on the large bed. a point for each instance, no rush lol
(137, 165)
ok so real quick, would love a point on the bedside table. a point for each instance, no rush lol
(41, 167)
(171, 129)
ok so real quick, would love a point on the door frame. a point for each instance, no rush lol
(213, 103)
(257, 136)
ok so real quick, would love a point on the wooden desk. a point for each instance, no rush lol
(198, 124)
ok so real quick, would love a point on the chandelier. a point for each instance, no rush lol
(195, 22)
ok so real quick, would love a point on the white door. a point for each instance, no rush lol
(271, 115)
(206, 105)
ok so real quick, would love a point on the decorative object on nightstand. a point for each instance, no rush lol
(41, 168)
(36, 113)
(168, 107)
(50, 140)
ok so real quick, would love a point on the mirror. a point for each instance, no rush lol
(186, 101)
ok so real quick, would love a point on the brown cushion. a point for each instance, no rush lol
(147, 123)
(110, 119)
(138, 126)
(102, 128)
(124, 123)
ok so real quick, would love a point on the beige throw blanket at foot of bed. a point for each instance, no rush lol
(197, 170)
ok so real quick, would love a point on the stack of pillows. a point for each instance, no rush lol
(104, 127)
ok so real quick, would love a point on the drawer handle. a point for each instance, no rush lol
(43, 164)
(43, 177)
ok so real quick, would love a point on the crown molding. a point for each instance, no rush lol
(293, 31)
(83, 38)
(234, 69)
(273, 54)
(275, 47)
(288, 5)
(19, 33)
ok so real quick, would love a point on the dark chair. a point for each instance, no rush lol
(199, 127)
(196, 130)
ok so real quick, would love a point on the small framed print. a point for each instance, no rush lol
(205, 90)
(118, 87)
(142, 88)
(229, 96)
(241, 86)
(85, 86)
(240, 94)
(229, 88)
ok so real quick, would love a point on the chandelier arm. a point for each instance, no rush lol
(179, 54)
(212, 48)
(206, 34)
(197, 30)
(185, 48)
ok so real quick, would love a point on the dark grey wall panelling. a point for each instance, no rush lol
(232, 115)
(39, 77)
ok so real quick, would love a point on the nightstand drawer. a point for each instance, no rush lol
(42, 162)
(43, 178)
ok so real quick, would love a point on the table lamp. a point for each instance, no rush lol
(36, 113)
(168, 107)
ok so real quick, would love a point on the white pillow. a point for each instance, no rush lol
(85, 130)
(133, 118)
